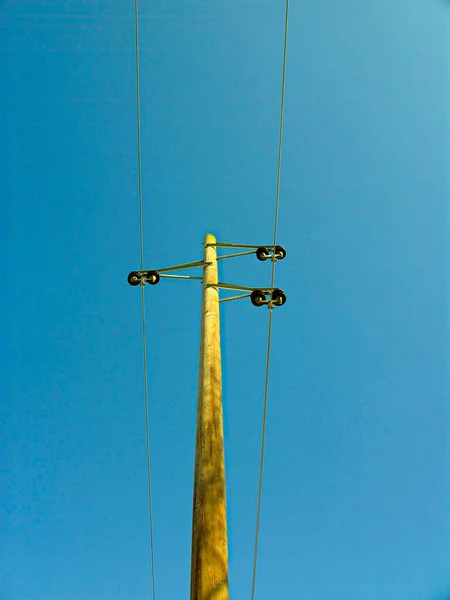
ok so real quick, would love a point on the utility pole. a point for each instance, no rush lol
(209, 562)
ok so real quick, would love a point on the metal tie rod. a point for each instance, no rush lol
(234, 298)
(181, 277)
(236, 254)
(228, 245)
(240, 288)
(199, 263)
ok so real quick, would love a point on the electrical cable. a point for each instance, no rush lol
(269, 334)
(144, 332)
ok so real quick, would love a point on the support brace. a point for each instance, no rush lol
(228, 245)
(199, 263)
(234, 298)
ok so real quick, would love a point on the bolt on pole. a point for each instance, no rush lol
(209, 561)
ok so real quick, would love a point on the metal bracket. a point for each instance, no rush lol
(181, 277)
(234, 255)
(198, 263)
(234, 298)
(228, 245)
(238, 288)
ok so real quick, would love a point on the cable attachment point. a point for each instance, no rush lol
(278, 297)
(142, 277)
(266, 252)
(259, 298)
(134, 278)
(152, 277)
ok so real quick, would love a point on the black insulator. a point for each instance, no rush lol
(134, 278)
(262, 253)
(258, 298)
(152, 277)
(278, 297)
(280, 252)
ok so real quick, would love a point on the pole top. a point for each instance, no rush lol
(210, 240)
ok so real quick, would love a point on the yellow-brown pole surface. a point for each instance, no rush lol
(209, 563)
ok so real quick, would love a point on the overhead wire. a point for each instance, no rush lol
(144, 332)
(269, 333)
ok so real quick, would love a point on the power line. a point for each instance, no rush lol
(144, 332)
(269, 334)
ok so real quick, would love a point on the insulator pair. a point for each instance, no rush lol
(259, 298)
(139, 277)
(263, 253)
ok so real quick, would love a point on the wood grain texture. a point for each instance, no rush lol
(209, 566)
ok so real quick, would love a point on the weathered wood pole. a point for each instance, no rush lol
(209, 561)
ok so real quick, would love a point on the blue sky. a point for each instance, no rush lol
(356, 496)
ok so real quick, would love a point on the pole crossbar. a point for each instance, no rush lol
(199, 263)
(235, 255)
(228, 245)
(181, 277)
(234, 298)
(239, 288)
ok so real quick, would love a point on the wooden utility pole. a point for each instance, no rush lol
(209, 562)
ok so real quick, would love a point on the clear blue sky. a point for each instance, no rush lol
(356, 499)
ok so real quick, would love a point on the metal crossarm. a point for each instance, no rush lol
(234, 298)
(181, 277)
(228, 245)
(240, 288)
(199, 263)
(234, 255)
